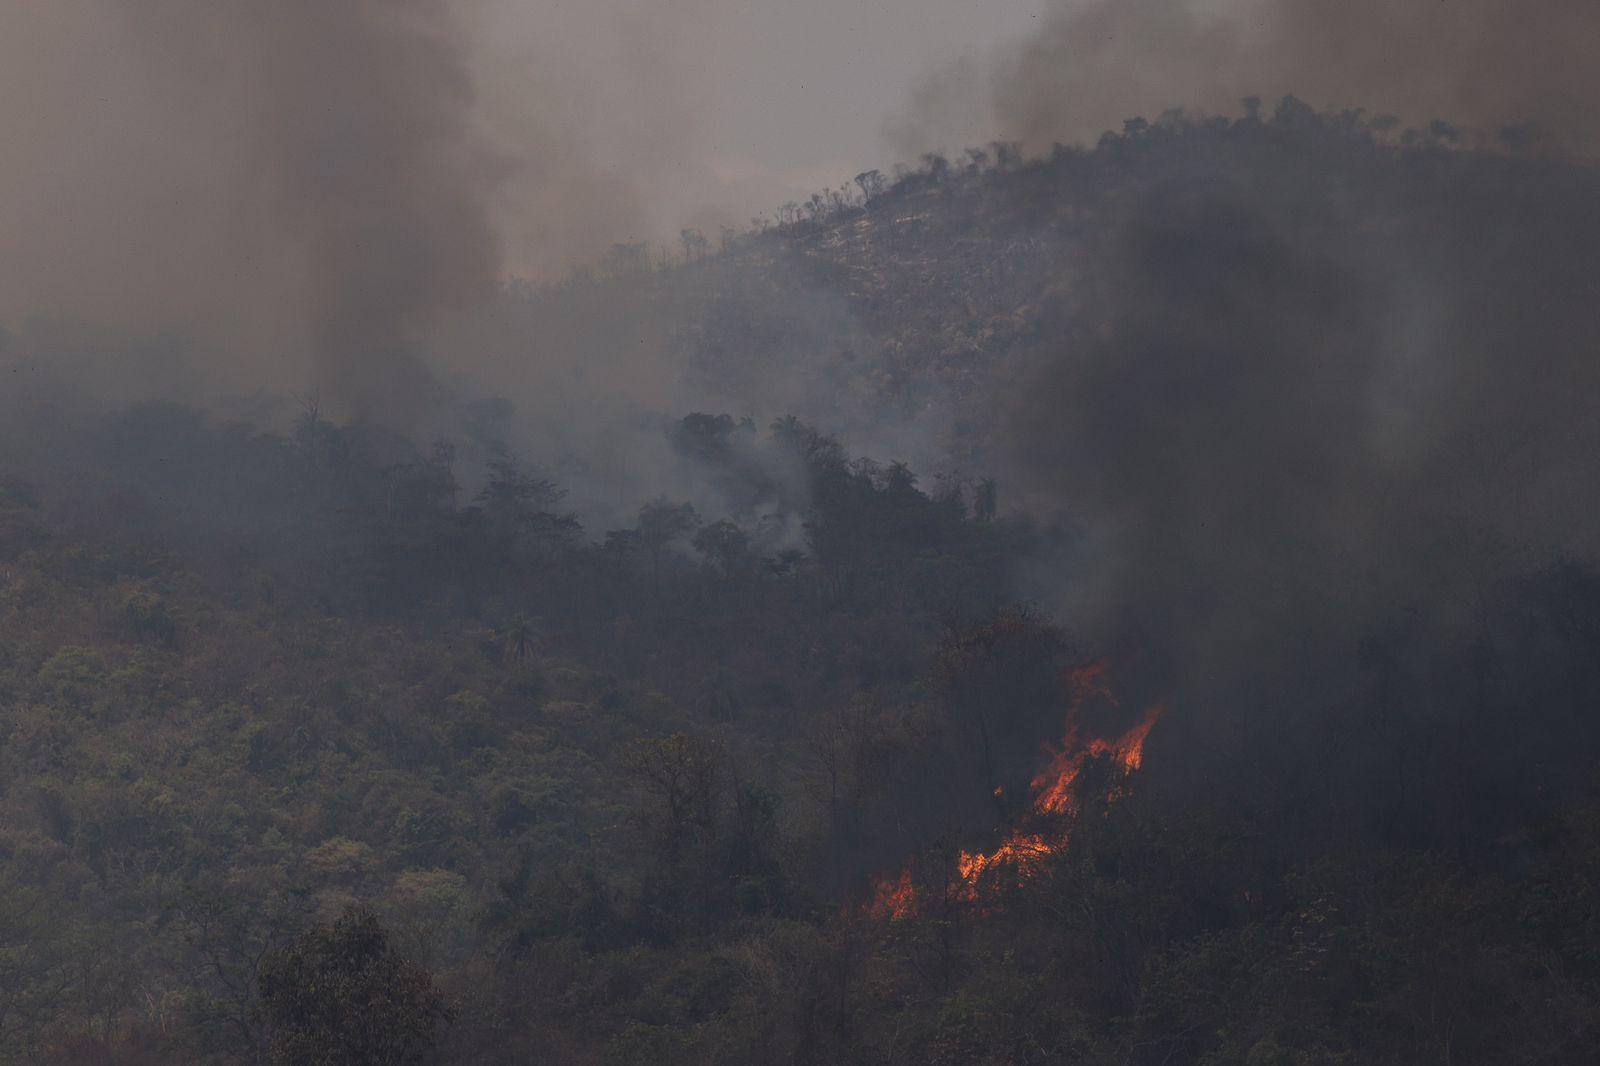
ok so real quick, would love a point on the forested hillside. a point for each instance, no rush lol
(1107, 719)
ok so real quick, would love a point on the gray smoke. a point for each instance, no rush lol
(354, 119)
(1484, 64)
(296, 186)
(1295, 388)
(1301, 387)
(301, 194)
(367, 160)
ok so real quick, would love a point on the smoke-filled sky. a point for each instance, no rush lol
(609, 119)
(304, 187)
(304, 176)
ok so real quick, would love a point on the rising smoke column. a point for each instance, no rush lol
(374, 167)
(357, 120)
(296, 187)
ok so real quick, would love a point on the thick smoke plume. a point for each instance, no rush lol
(1308, 397)
(298, 194)
(1303, 390)
(272, 179)
(366, 160)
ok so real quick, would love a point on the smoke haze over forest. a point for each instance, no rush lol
(1056, 531)
(330, 197)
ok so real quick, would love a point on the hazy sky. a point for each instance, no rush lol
(283, 176)
(616, 119)
(249, 172)
(724, 108)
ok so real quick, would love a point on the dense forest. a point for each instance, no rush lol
(1051, 636)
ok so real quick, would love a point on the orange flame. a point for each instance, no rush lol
(1055, 796)
(1020, 850)
(1054, 787)
(1055, 793)
(894, 899)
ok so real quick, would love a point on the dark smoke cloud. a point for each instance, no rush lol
(1484, 64)
(1302, 387)
(1299, 389)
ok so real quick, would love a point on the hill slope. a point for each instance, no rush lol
(710, 740)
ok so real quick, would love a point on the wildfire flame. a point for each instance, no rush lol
(894, 898)
(1055, 796)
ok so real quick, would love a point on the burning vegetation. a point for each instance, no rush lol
(1046, 826)
(306, 723)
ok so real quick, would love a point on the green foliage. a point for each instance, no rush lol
(340, 995)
